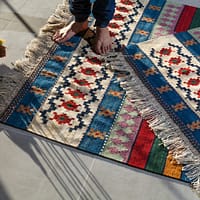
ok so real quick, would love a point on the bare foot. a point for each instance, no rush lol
(103, 41)
(69, 31)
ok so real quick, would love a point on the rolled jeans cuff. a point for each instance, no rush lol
(102, 24)
(81, 19)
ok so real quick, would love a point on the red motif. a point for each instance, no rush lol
(184, 71)
(88, 71)
(127, 2)
(70, 105)
(114, 25)
(119, 17)
(82, 82)
(113, 34)
(175, 61)
(76, 94)
(94, 60)
(193, 82)
(165, 51)
(62, 118)
(122, 9)
(198, 93)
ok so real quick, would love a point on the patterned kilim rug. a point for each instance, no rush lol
(139, 107)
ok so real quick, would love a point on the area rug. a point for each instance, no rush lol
(98, 104)
(163, 83)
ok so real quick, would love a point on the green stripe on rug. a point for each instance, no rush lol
(157, 157)
(196, 20)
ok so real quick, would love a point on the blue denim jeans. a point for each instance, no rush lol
(102, 10)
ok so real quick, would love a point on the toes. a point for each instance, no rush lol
(56, 35)
(97, 48)
(107, 49)
(59, 38)
(62, 38)
(102, 49)
(69, 31)
(63, 34)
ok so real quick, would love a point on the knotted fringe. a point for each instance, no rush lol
(160, 122)
(35, 51)
(39, 46)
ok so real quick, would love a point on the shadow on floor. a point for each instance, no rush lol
(3, 193)
(65, 170)
(19, 17)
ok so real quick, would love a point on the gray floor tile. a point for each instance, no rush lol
(40, 169)
(11, 5)
(6, 16)
(123, 182)
(26, 24)
(3, 24)
(36, 8)
(14, 47)
(37, 169)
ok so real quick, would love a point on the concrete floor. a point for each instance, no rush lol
(33, 168)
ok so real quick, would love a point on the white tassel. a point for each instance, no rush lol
(41, 45)
(10, 84)
(162, 125)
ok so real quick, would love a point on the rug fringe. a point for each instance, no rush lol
(39, 46)
(162, 125)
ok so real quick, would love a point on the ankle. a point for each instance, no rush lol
(101, 28)
(82, 24)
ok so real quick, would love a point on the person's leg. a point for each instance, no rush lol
(81, 10)
(103, 11)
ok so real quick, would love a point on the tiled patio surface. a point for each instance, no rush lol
(32, 168)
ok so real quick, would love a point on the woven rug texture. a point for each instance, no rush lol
(138, 105)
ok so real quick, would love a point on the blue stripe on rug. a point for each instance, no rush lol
(99, 129)
(39, 87)
(166, 99)
(190, 43)
(143, 29)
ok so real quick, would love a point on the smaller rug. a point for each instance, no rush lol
(157, 18)
(164, 84)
